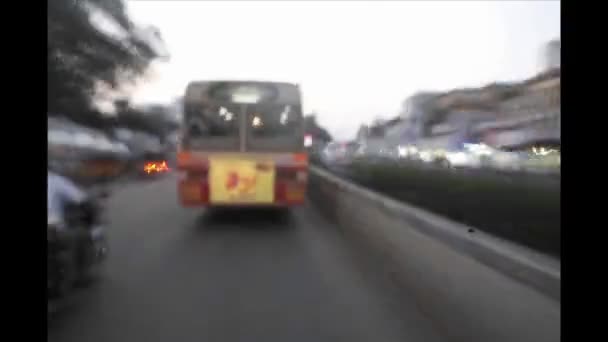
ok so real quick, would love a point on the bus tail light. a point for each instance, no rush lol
(189, 162)
(181, 175)
(301, 158)
(290, 193)
(291, 174)
(295, 193)
(301, 176)
(189, 192)
(290, 186)
(193, 188)
(183, 159)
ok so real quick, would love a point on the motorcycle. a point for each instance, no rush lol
(71, 261)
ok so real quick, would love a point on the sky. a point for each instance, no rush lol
(355, 61)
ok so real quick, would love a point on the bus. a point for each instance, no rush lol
(242, 144)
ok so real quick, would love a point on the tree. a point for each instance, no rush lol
(80, 54)
(311, 127)
(152, 120)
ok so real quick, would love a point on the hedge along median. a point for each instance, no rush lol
(524, 208)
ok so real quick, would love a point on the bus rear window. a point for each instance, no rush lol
(214, 121)
(273, 120)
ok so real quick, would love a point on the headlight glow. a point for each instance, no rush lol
(457, 158)
(153, 167)
(426, 156)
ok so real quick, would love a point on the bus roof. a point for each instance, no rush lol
(243, 81)
(286, 92)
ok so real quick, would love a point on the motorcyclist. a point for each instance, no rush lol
(64, 197)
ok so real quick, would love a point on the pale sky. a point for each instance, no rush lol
(354, 60)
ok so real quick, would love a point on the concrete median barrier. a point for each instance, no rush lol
(473, 286)
(489, 200)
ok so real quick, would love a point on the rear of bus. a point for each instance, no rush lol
(242, 145)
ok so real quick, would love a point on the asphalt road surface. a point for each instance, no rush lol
(184, 275)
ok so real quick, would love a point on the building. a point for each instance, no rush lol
(503, 114)
(416, 105)
(362, 133)
(415, 113)
(551, 56)
(533, 117)
(507, 115)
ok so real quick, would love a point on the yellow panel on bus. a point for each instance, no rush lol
(241, 181)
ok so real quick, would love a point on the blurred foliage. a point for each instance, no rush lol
(312, 127)
(79, 56)
(153, 121)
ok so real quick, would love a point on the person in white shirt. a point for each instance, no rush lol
(61, 191)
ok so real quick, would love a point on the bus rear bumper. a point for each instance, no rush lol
(241, 205)
(195, 193)
(202, 204)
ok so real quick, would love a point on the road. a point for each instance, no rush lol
(185, 275)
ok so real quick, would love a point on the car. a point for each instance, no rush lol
(484, 156)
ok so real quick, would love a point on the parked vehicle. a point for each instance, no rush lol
(71, 261)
